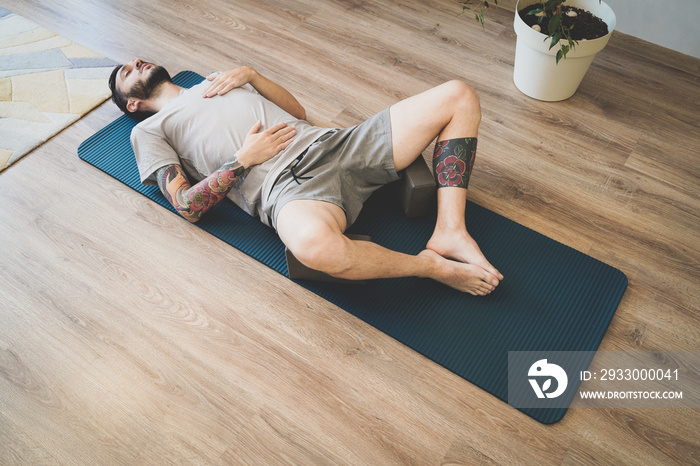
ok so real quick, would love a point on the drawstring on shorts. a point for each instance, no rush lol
(291, 169)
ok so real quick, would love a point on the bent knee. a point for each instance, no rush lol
(464, 98)
(320, 249)
(462, 91)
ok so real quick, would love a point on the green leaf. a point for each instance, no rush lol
(552, 5)
(555, 39)
(554, 24)
(562, 53)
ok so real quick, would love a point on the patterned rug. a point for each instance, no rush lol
(47, 82)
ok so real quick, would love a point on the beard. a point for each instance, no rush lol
(145, 90)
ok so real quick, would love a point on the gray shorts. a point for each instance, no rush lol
(343, 167)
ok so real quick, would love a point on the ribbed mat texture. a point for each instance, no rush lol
(553, 298)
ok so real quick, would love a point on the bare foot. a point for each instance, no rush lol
(460, 247)
(468, 278)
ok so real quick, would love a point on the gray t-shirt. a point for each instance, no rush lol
(202, 134)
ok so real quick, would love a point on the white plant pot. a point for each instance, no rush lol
(536, 72)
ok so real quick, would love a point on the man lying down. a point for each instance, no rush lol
(239, 135)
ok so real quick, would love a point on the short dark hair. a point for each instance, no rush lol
(121, 99)
(118, 97)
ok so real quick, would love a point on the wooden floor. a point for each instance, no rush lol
(119, 344)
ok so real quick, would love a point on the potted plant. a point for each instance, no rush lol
(555, 44)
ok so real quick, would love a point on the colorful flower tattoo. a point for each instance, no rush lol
(453, 161)
(193, 201)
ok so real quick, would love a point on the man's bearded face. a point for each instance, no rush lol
(144, 89)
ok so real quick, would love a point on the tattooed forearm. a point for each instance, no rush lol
(193, 201)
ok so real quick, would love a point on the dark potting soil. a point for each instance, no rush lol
(585, 25)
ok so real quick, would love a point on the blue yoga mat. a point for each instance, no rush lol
(553, 298)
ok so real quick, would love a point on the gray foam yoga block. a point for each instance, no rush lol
(417, 189)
